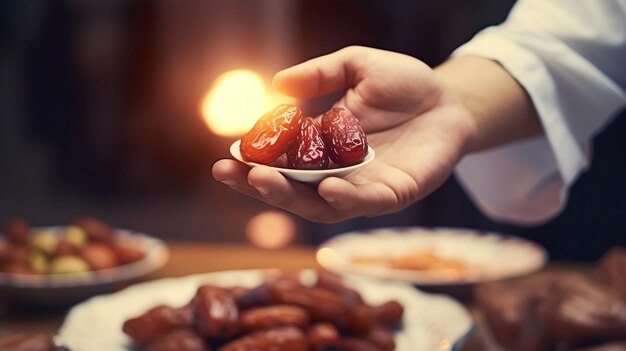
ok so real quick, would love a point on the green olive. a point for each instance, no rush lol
(76, 236)
(38, 263)
(45, 241)
(69, 264)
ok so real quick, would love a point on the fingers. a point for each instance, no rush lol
(323, 75)
(354, 200)
(295, 197)
(333, 200)
(340, 194)
(235, 175)
(268, 185)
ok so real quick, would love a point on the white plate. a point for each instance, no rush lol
(64, 288)
(307, 176)
(431, 322)
(485, 256)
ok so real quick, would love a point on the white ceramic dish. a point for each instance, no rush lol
(307, 176)
(485, 256)
(65, 288)
(431, 322)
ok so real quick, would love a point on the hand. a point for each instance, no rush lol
(418, 128)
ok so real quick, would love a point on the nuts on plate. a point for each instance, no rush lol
(87, 245)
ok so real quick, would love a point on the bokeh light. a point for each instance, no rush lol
(236, 101)
(326, 256)
(271, 230)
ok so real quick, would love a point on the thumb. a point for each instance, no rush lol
(322, 75)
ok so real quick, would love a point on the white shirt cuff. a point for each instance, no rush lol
(524, 183)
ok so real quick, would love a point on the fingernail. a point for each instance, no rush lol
(263, 191)
(330, 200)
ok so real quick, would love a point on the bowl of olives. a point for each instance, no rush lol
(59, 264)
(303, 148)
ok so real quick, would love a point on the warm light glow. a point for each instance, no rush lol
(326, 256)
(271, 230)
(237, 99)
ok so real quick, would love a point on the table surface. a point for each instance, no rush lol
(193, 257)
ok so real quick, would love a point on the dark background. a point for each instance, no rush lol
(99, 102)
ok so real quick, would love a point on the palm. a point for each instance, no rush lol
(416, 140)
(414, 128)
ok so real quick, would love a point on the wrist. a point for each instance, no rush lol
(498, 107)
(454, 96)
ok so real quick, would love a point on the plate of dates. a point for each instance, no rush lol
(303, 148)
(266, 310)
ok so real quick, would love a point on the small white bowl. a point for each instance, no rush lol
(305, 175)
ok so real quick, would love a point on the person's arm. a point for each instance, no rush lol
(420, 121)
(473, 115)
(567, 56)
(500, 108)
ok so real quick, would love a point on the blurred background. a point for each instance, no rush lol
(117, 109)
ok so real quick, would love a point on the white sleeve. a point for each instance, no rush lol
(570, 56)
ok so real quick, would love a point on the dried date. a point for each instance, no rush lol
(215, 312)
(382, 337)
(389, 314)
(356, 344)
(344, 137)
(323, 337)
(277, 339)
(322, 305)
(272, 135)
(360, 319)
(99, 255)
(185, 339)
(309, 151)
(155, 322)
(257, 296)
(333, 282)
(273, 316)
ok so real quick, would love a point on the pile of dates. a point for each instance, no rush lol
(560, 311)
(281, 314)
(88, 244)
(306, 143)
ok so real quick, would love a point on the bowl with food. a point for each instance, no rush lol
(266, 310)
(431, 257)
(66, 263)
(303, 148)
